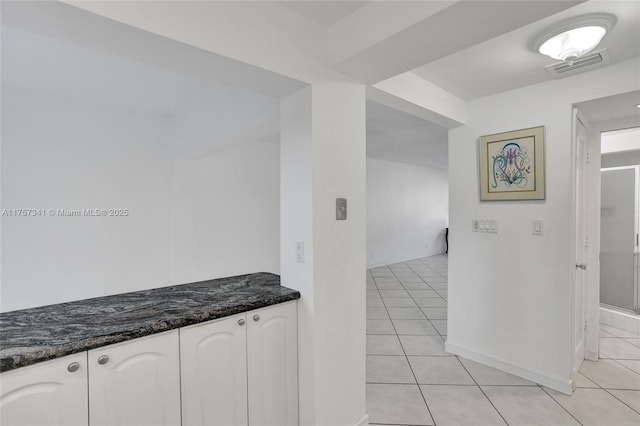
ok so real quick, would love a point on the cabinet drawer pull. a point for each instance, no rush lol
(256, 317)
(102, 360)
(73, 367)
(241, 322)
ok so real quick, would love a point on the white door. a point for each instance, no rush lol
(272, 355)
(213, 360)
(579, 290)
(46, 394)
(136, 382)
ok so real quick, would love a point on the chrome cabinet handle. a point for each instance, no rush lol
(241, 322)
(73, 367)
(102, 360)
(256, 317)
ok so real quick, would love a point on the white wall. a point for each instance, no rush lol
(225, 213)
(192, 217)
(225, 187)
(407, 211)
(73, 153)
(510, 293)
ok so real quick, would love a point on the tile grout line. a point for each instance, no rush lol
(561, 406)
(633, 390)
(482, 390)
(616, 360)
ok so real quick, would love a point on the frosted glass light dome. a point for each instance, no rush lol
(569, 39)
(570, 45)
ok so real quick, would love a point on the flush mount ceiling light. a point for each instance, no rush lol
(571, 39)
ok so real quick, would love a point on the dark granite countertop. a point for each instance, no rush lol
(38, 334)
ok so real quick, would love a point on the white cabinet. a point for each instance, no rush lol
(136, 382)
(241, 370)
(213, 359)
(272, 359)
(46, 394)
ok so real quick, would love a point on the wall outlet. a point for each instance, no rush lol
(299, 251)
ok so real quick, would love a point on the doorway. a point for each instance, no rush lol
(599, 116)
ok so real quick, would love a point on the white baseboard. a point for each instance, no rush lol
(391, 261)
(620, 320)
(364, 421)
(554, 383)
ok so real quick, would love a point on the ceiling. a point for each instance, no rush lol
(618, 107)
(508, 61)
(396, 136)
(325, 13)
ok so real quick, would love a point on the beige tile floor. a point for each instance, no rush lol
(411, 380)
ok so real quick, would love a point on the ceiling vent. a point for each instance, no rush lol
(584, 63)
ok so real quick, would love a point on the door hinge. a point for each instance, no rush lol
(587, 157)
(585, 325)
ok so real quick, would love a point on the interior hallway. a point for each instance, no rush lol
(411, 380)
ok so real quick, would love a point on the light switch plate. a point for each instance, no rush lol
(341, 209)
(537, 226)
(487, 226)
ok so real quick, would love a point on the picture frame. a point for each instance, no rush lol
(512, 165)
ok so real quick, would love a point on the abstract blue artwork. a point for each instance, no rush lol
(512, 165)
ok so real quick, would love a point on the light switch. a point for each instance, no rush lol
(537, 226)
(341, 209)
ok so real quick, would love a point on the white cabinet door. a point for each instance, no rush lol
(272, 359)
(213, 361)
(136, 382)
(46, 394)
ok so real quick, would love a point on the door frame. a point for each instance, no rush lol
(581, 157)
(590, 304)
(593, 175)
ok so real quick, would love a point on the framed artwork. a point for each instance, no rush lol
(512, 165)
